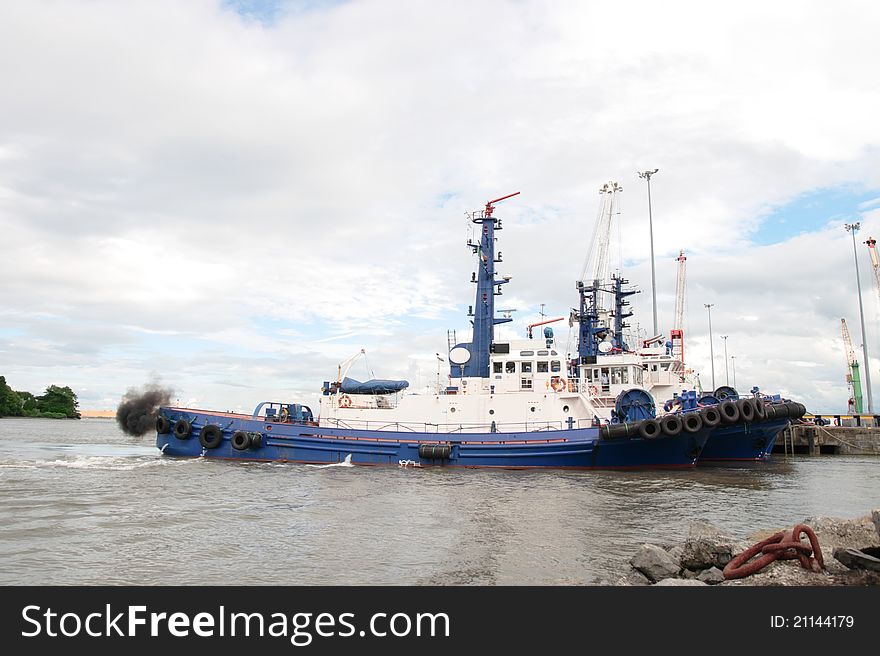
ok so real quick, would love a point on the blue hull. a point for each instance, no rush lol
(307, 443)
(742, 442)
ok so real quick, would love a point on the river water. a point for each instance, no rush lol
(83, 503)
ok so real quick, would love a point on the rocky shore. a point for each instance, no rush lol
(700, 559)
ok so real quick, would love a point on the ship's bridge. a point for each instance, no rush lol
(526, 365)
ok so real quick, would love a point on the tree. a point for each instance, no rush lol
(30, 405)
(61, 400)
(10, 403)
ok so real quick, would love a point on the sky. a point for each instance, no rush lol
(232, 198)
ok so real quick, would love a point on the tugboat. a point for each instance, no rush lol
(651, 381)
(627, 385)
(510, 403)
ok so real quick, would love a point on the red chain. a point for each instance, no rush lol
(776, 547)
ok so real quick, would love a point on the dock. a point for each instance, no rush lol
(819, 440)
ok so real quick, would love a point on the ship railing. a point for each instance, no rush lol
(461, 428)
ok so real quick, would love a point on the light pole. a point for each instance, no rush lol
(709, 307)
(646, 175)
(853, 228)
(733, 366)
(726, 370)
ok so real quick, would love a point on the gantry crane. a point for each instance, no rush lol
(854, 405)
(676, 335)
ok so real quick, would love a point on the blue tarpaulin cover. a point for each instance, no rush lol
(375, 386)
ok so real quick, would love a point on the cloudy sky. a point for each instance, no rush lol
(233, 197)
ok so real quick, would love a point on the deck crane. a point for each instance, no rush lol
(854, 405)
(676, 335)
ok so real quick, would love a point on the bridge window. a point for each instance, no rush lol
(555, 366)
(526, 354)
(542, 366)
(527, 367)
(510, 367)
(543, 352)
(496, 367)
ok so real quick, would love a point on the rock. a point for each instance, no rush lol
(856, 559)
(654, 562)
(633, 577)
(711, 576)
(706, 546)
(875, 517)
(669, 582)
(846, 533)
(690, 574)
(675, 552)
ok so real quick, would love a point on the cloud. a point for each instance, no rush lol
(188, 189)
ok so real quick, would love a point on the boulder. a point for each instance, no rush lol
(707, 546)
(654, 562)
(675, 552)
(711, 576)
(669, 582)
(633, 577)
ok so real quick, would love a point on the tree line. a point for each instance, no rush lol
(56, 403)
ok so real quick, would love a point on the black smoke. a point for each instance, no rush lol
(137, 412)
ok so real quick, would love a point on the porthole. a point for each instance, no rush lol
(565, 408)
(451, 409)
(532, 408)
(491, 412)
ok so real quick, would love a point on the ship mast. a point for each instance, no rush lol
(471, 360)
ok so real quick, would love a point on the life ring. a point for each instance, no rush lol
(345, 401)
(594, 391)
(557, 383)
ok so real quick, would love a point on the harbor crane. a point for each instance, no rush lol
(676, 335)
(596, 267)
(875, 262)
(853, 380)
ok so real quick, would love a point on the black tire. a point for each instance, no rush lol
(256, 440)
(163, 426)
(711, 416)
(241, 441)
(671, 425)
(760, 410)
(182, 429)
(746, 410)
(729, 412)
(692, 422)
(649, 429)
(771, 412)
(211, 436)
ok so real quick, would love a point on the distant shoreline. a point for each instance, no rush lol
(97, 414)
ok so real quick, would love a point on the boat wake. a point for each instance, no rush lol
(101, 463)
(344, 463)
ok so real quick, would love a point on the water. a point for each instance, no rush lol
(82, 503)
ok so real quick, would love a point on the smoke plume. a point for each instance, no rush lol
(137, 412)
